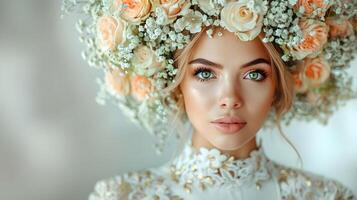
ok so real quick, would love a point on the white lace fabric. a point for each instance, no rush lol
(210, 174)
(209, 167)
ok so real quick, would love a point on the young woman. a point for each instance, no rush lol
(228, 88)
(225, 68)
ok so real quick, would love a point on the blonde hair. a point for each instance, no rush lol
(284, 92)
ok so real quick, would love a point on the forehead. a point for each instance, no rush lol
(228, 48)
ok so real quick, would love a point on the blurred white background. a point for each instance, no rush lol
(56, 142)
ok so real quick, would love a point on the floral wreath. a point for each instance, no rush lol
(134, 42)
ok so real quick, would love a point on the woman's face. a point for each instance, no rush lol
(228, 90)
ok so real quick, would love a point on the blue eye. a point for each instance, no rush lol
(256, 75)
(203, 74)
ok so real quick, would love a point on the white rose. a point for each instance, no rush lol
(145, 61)
(244, 17)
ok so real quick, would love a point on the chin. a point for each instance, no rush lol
(228, 144)
(231, 142)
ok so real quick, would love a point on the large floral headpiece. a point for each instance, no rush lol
(134, 42)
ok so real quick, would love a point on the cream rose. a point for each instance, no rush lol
(310, 5)
(117, 81)
(314, 38)
(111, 32)
(145, 61)
(316, 71)
(133, 10)
(141, 87)
(173, 8)
(246, 23)
(339, 27)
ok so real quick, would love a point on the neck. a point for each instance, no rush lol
(240, 153)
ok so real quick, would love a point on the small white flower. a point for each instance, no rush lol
(192, 22)
(207, 6)
(209, 33)
(292, 2)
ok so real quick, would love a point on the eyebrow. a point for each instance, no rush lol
(210, 63)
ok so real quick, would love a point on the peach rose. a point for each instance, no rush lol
(141, 87)
(111, 32)
(245, 22)
(339, 27)
(173, 8)
(299, 84)
(145, 61)
(133, 10)
(309, 6)
(316, 71)
(117, 81)
(314, 38)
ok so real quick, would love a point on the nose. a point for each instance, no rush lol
(230, 97)
(230, 103)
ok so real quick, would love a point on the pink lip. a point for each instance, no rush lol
(229, 125)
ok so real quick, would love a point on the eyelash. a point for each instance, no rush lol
(263, 74)
(199, 70)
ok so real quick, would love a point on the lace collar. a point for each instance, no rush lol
(204, 168)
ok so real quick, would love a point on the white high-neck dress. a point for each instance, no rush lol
(208, 174)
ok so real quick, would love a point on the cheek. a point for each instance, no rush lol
(258, 99)
(197, 100)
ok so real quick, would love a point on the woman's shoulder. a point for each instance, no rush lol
(300, 184)
(131, 185)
